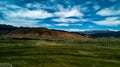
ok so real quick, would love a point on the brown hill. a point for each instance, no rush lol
(43, 33)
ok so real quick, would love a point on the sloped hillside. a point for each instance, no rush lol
(5, 29)
(43, 33)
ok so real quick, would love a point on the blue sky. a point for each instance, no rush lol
(69, 15)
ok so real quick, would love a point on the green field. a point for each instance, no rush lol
(98, 52)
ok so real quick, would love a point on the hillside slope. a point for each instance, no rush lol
(43, 33)
(5, 29)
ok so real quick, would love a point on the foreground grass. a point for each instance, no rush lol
(61, 53)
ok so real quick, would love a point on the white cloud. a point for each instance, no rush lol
(45, 25)
(67, 20)
(84, 8)
(96, 7)
(33, 14)
(108, 12)
(24, 22)
(74, 30)
(29, 5)
(70, 20)
(59, 7)
(66, 24)
(12, 6)
(84, 20)
(112, 21)
(62, 24)
(23, 16)
(69, 12)
(19, 16)
(36, 5)
(19, 22)
(5, 8)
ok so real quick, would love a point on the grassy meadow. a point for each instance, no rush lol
(98, 52)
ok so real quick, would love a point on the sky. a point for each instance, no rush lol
(69, 15)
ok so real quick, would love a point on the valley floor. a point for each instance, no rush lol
(61, 53)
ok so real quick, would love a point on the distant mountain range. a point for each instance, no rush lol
(95, 31)
(40, 32)
(100, 33)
